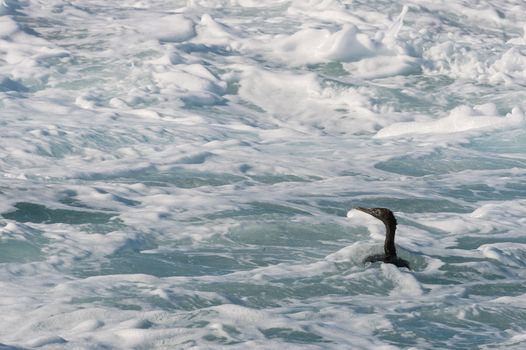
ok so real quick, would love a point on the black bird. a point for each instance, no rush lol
(387, 217)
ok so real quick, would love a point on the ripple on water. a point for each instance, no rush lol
(447, 162)
(15, 251)
(38, 213)
(177, 176)
(407, 205)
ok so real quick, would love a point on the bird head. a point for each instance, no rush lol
(383, 214)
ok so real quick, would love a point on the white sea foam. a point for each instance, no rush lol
(461, 119)
(177, 175)
(172, 28)
(509, 68)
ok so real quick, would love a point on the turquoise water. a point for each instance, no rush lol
(179, 176)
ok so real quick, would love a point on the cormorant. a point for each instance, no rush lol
(387, 217)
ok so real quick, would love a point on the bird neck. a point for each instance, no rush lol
(389, 245)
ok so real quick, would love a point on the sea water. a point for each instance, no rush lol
(181, 174)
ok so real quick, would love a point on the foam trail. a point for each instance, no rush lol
(180, 175)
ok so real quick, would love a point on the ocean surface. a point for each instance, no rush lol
(181, 174)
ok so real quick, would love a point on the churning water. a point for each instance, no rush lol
(177, 174)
